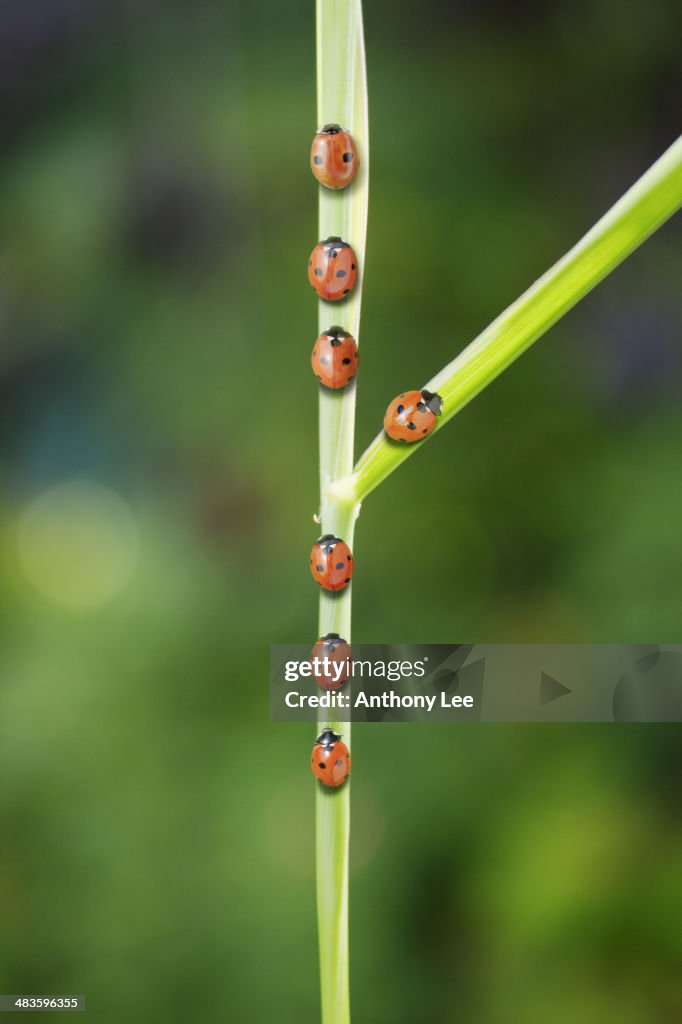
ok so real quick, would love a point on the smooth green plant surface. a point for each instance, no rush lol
(341, 98)
(649, 203)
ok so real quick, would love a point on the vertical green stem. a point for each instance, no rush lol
(341, 98)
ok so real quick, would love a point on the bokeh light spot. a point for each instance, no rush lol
(78, 544)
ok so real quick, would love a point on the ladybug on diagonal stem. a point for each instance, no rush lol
(412, 415)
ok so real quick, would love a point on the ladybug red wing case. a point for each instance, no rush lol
(333, 157)
(332, 269)
(412, 415)
(332, 674)
(335, 358)
(330, 760)
(331, 562)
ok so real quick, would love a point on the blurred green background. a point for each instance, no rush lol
(158, 467)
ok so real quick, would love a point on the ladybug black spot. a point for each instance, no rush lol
(424, 431)
(401, 408)
(347, 157)
(411, 426)
(321, 764)
(346, 362)
(346, 290)
(340, 565)
(317, 159)
(352, 266)
(340, 273)
(319, 568)
(339, 764)
(318, 272)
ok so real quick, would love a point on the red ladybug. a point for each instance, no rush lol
(412, 415)
(330, 759)
(335, 358)
(339, 664)
(332, 268)
(331, 562)
(333, 157)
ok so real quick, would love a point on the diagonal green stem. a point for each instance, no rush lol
(341, 98)
(649, 203)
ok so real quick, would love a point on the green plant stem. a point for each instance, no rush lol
(341, 98)
(333, 824)
(649, 203)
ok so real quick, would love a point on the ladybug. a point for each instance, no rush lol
(412, 415)
(330, 759)
(331, 562)
(333, 157)
(335, 358)
(337, 650)
(332, 268)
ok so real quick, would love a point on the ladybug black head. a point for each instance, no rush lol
(335, 242)
(333, 640)
(336, 335)
(330, 129)
(328, 738)
(433, 401)
(328, 540)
